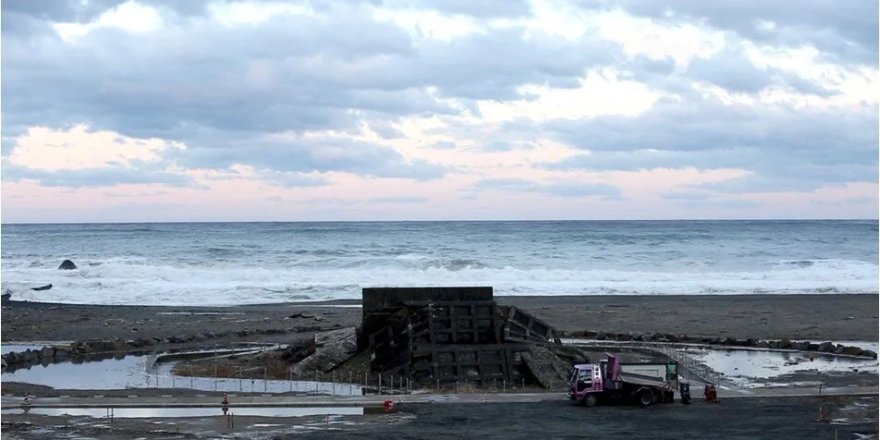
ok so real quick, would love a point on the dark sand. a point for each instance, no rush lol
(796, 317)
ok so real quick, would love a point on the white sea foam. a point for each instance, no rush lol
(134, 281)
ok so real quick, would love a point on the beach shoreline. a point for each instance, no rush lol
(833, 317)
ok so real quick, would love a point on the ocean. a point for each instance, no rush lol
(249, 263)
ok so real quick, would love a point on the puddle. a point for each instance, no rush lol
(141, 413)
(141, 372)
(742, 365)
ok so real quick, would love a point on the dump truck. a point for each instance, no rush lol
(611, 381)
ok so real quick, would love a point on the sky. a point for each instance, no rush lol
(128, 111)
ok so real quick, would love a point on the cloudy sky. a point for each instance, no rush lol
(325, 110)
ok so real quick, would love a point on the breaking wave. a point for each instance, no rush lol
(240, 263)
(135, 281)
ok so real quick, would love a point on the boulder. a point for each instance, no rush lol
(67, 265)
(78, 347)
(61, 354)
(854, 351)
(11, 358)
(826, 347)
(30, 356)
(102, 346)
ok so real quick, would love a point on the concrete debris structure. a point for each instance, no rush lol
(332, 348)
(447, 335)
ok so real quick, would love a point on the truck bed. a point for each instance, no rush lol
(638, 379)
(657, 370)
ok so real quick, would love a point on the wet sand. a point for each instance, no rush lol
(796, 317)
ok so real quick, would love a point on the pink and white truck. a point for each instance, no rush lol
(610, 381)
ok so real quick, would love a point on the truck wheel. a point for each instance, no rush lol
(590, 400)
(646, 397)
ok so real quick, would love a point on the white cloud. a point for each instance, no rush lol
(601, 92)
(250, 13)
(77, 148)
(130, 17)
(559, 19)
(659, 40)
(854, 85)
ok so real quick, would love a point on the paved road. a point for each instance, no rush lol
(523, 416)
(280, 400)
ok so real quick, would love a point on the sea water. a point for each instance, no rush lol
(242, 263)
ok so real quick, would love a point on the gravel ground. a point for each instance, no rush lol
(816, 317)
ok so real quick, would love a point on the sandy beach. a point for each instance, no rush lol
(796, 317)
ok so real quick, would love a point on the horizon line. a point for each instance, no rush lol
(437, 221)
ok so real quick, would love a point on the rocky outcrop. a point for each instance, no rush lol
(67, 265)
(331, 349)
(782, 344)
